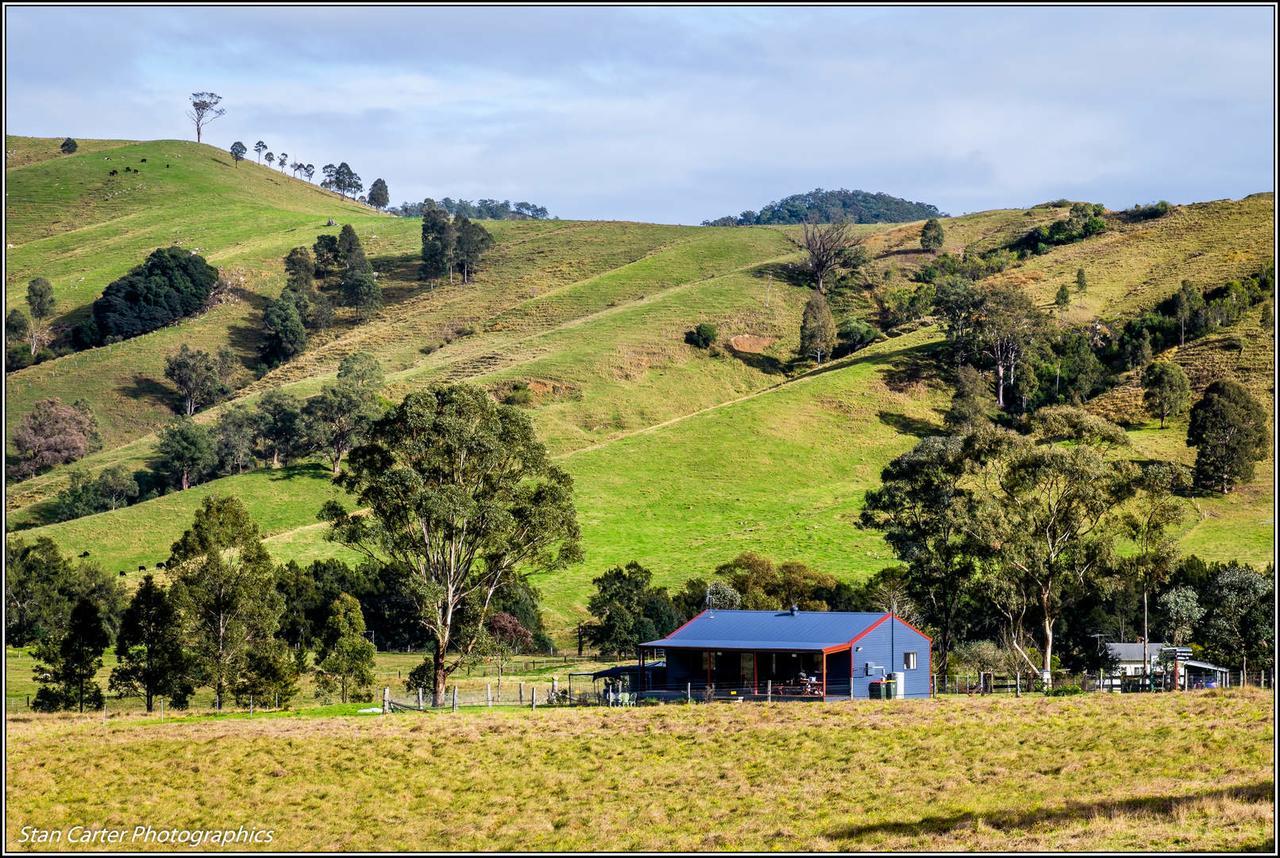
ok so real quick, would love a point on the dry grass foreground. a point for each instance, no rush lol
(1097, 772)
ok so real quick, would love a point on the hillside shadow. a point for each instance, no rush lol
(908, 425)
(790, 273)
(1076, 811)
(917, 365)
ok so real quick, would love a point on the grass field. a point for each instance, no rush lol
(1099, 772)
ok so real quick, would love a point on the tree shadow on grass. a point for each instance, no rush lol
(918, 365)
(301, 471)
(148, 389)
(908, 425)
(766, 364)
(1076, 811)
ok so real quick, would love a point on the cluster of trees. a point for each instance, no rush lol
(29, 335)
(459, 495)
(172, 284)
(239, 151)
(1013, 536)
(479, 210)
(832, 207)
(1082, 221)
(341, 178)
(452, 242)
(834, 257)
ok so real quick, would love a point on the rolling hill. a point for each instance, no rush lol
(681, 457)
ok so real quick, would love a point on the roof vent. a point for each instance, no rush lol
(795, 609)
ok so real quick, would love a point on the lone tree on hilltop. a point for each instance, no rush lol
(1165, 390)
(69, 146)
(931, 235)
(238, 151)
(204, 109)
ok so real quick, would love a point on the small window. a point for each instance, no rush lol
(908, 661)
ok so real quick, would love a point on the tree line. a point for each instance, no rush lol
(479, 210)
(451, 243)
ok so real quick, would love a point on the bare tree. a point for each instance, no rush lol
(204, 108)
(831, 247)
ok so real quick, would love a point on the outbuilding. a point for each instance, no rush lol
(793, 654)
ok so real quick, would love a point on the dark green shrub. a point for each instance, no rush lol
(702, 336)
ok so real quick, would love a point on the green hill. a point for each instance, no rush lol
(682, 457)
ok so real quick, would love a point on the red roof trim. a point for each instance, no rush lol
(914, 629)
(686, 622)
(862, 634)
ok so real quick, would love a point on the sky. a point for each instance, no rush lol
(674, 115)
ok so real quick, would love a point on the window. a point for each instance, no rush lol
(908, 661)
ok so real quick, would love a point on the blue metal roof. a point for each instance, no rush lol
(768, 630)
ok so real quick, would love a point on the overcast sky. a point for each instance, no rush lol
(675, 115)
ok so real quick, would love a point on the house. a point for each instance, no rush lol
(1170, 665)
(793, 654)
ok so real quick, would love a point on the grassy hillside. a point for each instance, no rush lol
(1099, 772)
(682, 457)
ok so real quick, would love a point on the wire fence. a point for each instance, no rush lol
(1027, 683)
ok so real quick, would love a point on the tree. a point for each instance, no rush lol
(924, 507)
(235, 438)
(971, 404)
(361, 291)
(460, 494)
(53, 433)
(764, 585)
(185, 452)
(1188, 309)
(300, 270)
(40, 298)
(1154, 509)
(1063, 298)
(116, 486)
(238, 151)
(506, 637)
(1182, 611)
(151, 660)
(68, 666)
(283, 159)
(931, 235)
(336, 420)
(259, 147)
(271, 158)
(326, 255)
(1047, 515)
(439, 243)
(628, 611)
(310, 170)
(69, 146)
(41, 586)
(1165, 390)
(224, 590)
(197, 377)
(1082, 284)
(345, 659)
(204, 109)
(1005, 327)
(473, 242)
(173, 283)
(817, 328)
(703, 335)
(831, 248)
(379, 196)
(284, 334)
(1239, 623)
(1228, 428)
(280, 429)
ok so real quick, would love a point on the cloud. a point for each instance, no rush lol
(684, 113)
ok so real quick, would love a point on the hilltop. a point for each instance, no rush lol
(681, 457)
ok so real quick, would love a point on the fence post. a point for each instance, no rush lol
(104, 712)
(386, 698)
(455, 698)
(555, 687)
(768, 691)
(533, 697)
(488, 694)
(250, 705)
(521, 693)
(1017, 684)
(688, 692)
(161, 708)
(419, 697)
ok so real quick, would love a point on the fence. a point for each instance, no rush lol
(1020, 683)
